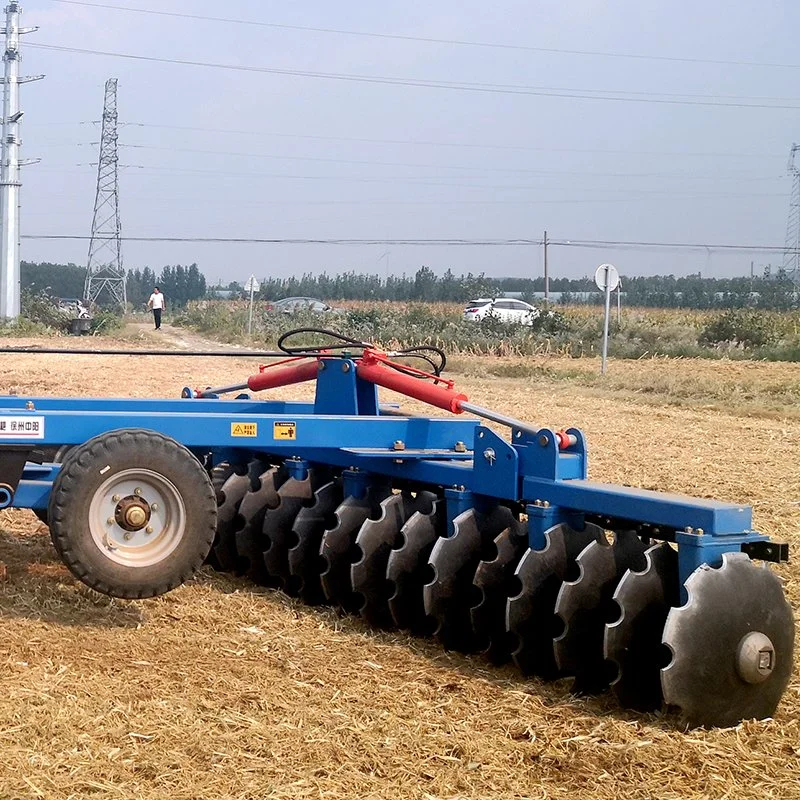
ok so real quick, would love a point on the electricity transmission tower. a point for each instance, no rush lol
(10, 163)
(104, 270)
(791, 252)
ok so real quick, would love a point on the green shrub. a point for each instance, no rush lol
(743, 327)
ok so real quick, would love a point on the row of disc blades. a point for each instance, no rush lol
(602, 608)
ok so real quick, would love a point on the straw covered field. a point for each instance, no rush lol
(221, 690)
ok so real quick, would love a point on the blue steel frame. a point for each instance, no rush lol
(346, 427)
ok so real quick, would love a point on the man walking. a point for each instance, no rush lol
(157, 304)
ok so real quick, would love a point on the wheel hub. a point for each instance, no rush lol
(755, 657)
(132, 513)
(137, 517)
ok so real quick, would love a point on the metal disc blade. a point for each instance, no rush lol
(250, 537)
(450, 594)
(493, 581)
(584, 606)
(229, 498)
(408, 571)
(530, 615)
(375, 540)
(731, 645)
(277, 528)
(632, 643)
(335, 550)
(305, 562)
(219, 475)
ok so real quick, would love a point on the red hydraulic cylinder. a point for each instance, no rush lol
(441, 396)
(272, 378)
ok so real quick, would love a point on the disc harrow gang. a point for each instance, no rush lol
(600, 606)
(496, 546)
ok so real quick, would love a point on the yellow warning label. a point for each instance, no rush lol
(248, 429)
(284, 430)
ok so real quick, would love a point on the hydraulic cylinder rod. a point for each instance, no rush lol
(271, 379)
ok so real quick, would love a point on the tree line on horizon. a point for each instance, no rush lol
(182, 284)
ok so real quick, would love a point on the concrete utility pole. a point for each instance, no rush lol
(104, 270)
(9, 168)
(791, 253)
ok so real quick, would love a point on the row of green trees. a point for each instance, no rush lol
(660, 291)
(181, 284)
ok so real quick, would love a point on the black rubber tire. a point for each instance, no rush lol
(86, 468)
(55, 455)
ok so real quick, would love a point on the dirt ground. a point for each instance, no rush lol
(222, 690)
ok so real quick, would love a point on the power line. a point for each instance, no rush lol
(513, 170)
(433, 40)
(466, 86)
(429, 143)
(416, 181)
(456, 242)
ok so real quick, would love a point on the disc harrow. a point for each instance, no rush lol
(499, 547)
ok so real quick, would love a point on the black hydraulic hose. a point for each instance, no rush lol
(425, 352)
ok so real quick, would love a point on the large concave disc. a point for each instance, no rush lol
(584, 606)
(305, 562)
(450, 593)
(229, 499)
(530, 614)
(375, 541)
(277, 528)
(336, 548)
(731, 645)
(494, 581)
(408, 571)
(250, 536)
(632, 643)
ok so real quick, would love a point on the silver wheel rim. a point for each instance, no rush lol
(155, 540)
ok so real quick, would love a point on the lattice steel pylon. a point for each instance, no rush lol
(791, 252)
(104, 269)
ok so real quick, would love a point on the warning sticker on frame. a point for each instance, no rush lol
(247, 430)
(21, 427)
(284, 430)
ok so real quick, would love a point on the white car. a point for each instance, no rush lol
(503, 309)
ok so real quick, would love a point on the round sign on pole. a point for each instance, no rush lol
(606, 277)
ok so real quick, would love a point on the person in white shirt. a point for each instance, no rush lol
(157, 303)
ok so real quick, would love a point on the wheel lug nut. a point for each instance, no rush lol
(154, 506)
(116, 498)
(137, 491)
(148, 529)
(128, 537)
(110, 521)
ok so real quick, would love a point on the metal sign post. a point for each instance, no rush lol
(252, 287)
(607, 279)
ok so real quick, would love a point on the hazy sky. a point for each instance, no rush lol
(225, 153)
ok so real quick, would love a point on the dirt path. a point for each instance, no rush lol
(180, 338)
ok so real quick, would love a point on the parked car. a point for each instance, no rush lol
(289, 305)
(502, 309)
